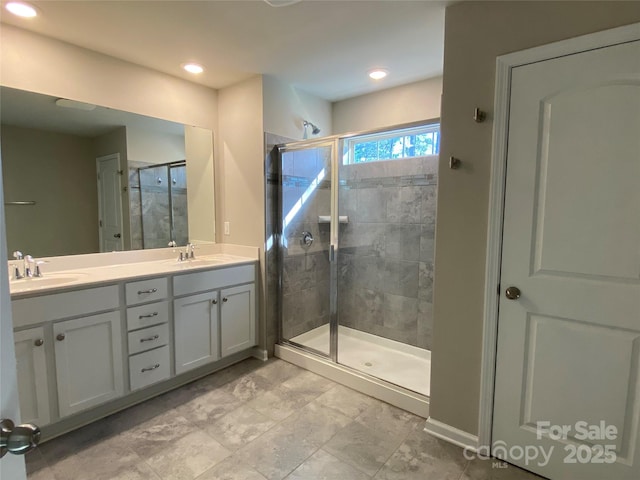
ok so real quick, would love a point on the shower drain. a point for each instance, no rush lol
(368, 364)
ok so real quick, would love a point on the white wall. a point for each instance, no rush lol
(404, 104)
(286, 108)
(154, 147)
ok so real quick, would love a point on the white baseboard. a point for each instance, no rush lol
(451, 434)
(259, 354)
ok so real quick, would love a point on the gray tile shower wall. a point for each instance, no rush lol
(385, 261)
(385, 272)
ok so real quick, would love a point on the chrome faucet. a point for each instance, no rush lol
(16, 272)
(188, 253)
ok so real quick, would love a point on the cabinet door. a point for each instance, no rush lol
(196, 330)
(238, 319)
(88, 355)
(33, 389)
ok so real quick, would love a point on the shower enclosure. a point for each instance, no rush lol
(354, 258)
(163, 205)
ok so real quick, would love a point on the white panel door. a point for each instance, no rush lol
(568, 348)
(11, 466)
(33, 386)
(110, 203)
(237, 319)
(88, 355)
(196, 331)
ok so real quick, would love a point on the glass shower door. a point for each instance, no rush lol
(155, 206)
(305, 243)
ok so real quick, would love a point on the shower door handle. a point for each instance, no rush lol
(332, 253)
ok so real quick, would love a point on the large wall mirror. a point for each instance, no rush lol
(82, 178)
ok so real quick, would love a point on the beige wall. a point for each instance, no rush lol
(286, 108)
(394, 106)
(58, 172)
(154, 147)
(39, 64)
(200, 184)
(475, 33)
(240, 152)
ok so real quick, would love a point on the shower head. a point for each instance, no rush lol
(315, 130)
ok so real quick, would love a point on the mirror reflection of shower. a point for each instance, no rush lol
(163, 205)
(314, 129)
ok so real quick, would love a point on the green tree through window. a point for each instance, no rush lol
(404, 143)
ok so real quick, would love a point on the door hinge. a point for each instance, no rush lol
(100, 223)
(98, 176)
(498, 292)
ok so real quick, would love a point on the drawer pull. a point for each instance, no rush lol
(153, 290)
(60, 337)
(148, 369)
(225, 299)
(150, 315)
(39, 342)
(149, 339)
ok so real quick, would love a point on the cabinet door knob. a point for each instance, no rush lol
(225, 299)
(214, 301)
(39, 342)
(60, 337)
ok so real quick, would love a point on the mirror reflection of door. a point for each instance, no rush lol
(109, 203)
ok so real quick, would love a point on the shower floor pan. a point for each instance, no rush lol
(395, 362)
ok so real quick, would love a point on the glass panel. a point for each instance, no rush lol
(305, 241)
(179, 216)
(156, 213)
(385, 265)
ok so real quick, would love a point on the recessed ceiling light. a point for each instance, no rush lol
(378, 73)
(21, 9)
(193, 67)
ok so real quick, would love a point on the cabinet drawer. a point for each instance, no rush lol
(147, 315)
(146, 291)
(213, 279)
(148, 338)
(29, 311)
(149, 367)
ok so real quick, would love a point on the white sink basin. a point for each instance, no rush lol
(49, 280)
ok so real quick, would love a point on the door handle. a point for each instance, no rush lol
(18, 439)
(117, 235)
(512, 293)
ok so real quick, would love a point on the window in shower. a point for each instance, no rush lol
(393, 144)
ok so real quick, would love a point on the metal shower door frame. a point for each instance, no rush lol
(334, 143)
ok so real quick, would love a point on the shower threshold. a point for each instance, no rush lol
(393, 372)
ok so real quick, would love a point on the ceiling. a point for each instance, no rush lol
(319, 46)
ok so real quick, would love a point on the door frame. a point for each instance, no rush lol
(504, 66)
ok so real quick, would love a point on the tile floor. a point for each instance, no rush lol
(257, 421)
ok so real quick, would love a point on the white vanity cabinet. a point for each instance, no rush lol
(148, 332)
(88, 352)
(217, 322)
(237, 319)
(75, 349)
(196, 330)
(33, 388)
(84, 354)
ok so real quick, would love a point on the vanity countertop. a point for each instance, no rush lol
(80, 276)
